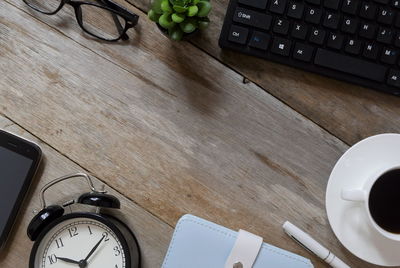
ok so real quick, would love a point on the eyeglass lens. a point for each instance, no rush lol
(45, 6)
(102, 22)
(97, 20)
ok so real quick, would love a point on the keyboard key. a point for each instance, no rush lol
(397, 40)
(367, 30)
(314, 2)
(295, 10)
(260, 40)
(335, 41)
(371, 51)
(252, 18)
(353, 46)
(350, 6)
(389, 55)
(368, 10)
(386, 15)
(281, 26)
(281, 46)
(349, 25)
(394, 78)
(278, 6)
(332, 4)
(382, 1)
(313, 15)
(331, 20)
(261, 4)
(396, 3)
(350, 65)
(299, 31)
(317, 36)
(303, 52)
(238, 34)
(385, 35)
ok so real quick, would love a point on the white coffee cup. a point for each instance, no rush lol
(363, 194)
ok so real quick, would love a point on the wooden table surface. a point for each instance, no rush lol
(171, 128)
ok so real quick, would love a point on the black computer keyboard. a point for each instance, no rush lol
(351, 40)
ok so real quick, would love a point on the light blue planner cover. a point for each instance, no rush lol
(198, 243)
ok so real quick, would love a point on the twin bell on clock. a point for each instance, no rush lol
(81, 239)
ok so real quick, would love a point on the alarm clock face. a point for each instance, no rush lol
(80, 242)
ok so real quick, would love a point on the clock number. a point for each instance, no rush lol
(59, 243)
(73, 231)
(90, 230)
(52, 259)
(117, 252)
(105, 234)
(116, 266)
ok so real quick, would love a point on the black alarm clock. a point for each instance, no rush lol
(82, 239)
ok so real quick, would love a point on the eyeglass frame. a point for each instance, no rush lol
(131, 19)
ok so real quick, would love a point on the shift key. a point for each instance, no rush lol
(252, 18)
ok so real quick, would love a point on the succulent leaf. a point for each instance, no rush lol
(188, 26)
(192, 11)
(180, 9)
(153, 15)
(182, 3)
(166, 7)
(204, 8)
(178, 18)
(165, 21)
(175, 34)
(156, 6)
(203, 25)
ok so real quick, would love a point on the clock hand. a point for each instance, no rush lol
(67, 260)
(94, 249)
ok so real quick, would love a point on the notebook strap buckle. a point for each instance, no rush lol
(245, 250)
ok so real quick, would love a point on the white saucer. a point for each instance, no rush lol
(349, 220)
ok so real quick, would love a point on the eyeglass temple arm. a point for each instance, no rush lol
(133, 17)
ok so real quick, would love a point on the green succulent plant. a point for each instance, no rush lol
(180, 17)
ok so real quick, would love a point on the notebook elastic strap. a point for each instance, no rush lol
(245, 250)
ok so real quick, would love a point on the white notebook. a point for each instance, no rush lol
(198, 243)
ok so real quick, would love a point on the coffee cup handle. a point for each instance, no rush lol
(354, 195)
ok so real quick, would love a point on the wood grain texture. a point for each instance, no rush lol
(347, 111)
(168, 126)
(153, 235)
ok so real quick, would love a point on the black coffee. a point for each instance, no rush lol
(384, 201)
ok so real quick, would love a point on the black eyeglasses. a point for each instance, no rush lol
(107, 20)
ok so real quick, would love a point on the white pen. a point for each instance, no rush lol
(310, 244)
